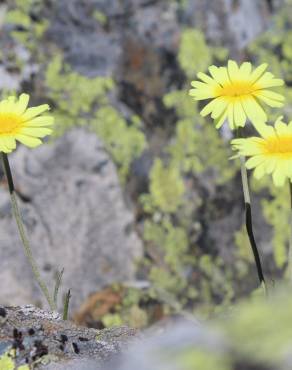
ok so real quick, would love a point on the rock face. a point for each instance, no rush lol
(42, 338)
(165, 347)
(225, 21)
(139, 41)
(253, 335)
(76, 219)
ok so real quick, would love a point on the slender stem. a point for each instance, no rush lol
(290, 235)
(21, 229)
(66, 305)
(58, 284)
(248, 220)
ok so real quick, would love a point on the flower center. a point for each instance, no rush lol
(9, 123)
(236, 88)
(281, 145)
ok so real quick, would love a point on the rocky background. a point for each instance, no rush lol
(135, 196)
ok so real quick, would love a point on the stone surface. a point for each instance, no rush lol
(139, 41)
(252, 335)
(76, 219)
(224, 21)
(42, 337)
(162, 348)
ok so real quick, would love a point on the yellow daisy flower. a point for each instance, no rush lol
(17, 122)
(237, 93)
(270, 154)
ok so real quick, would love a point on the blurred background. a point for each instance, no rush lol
(135, 195)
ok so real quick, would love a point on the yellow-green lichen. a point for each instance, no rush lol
(27, 31)
(195, 148)
(259, 328)
(194, 55)
(204, 360)
(100, 17)
(7, 362)
(123, 139)
(274, 47)
(166, 188)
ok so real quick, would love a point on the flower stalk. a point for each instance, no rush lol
(22, 233)
(248, 223)
(290, 235)
(248, 219)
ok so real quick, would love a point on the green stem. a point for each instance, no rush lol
(248, 220)
(290, 235)
(66, 305)
(24, 239)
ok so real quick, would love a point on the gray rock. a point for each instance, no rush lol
(163, 348)
(76, 218)
(89, 48)
(225, 21)
(43, 339)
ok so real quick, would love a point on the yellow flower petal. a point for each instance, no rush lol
(259, 171)
(40, 121)
(230, 113)
(22, 103)
(254, 161)
(270, 154)
(272, 103)
(268, 80)
(279, 177)
(220, 75)
(264, 130)
(272, 95)
(281, 128)
(245, 70)
(36, 131)
(17, 122)
(35, 111)
(209, 107)
(258, 72)
(241, 92)
(271, 165)
(239, 114)
(233, 70)
(9, 142)
(220, 120)
(4, 147)
(29, 141)
(207, 79)
(220, 107)
(253, 110)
